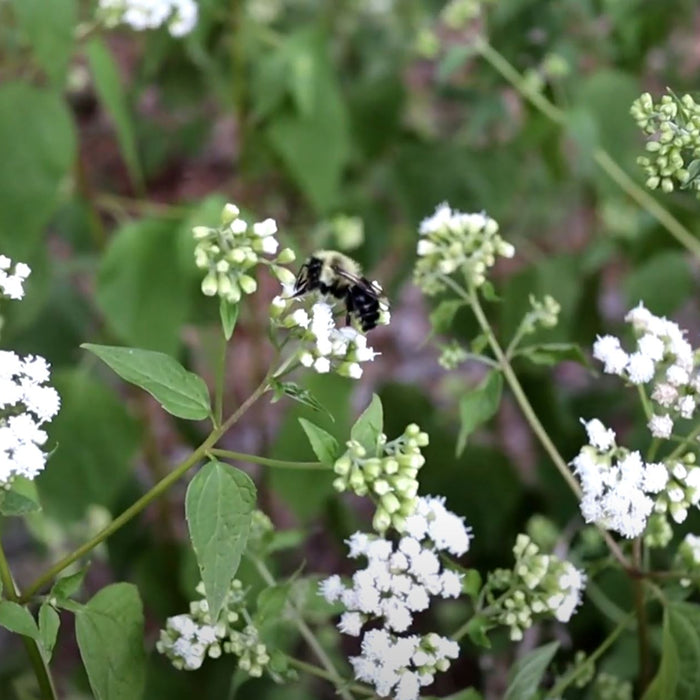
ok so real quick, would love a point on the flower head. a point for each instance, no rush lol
(230, 253)
(400, 579)
(451, 242)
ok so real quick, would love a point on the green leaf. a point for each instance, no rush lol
(471, 583)
(219, 506)
(111, 93)
(299, 394)
(49, 622)
(324, 445)
(455, 57)
(271, 602)
(20, 499)
(678, 677)
(478, 406)
(229, 315)
(49, 27)
(476, 631)
(18, 619)
(67, 586)
(31, 169)
(582, 129)
(313, 140)
(442, 317)
(553, 353)
(94, 469)
(143, 285)
(526, 674)
(369, 426)
(109, 629)
(181, 393)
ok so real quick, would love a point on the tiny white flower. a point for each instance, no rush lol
(640, 368)
(660, 426)
(598, 435)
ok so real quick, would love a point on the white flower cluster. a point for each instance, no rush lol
(12, 282)
(540, 584)
(663, 356)
(453, 241)
(390, 474)
(400, 580)
(189, 638)
(231, 251)
(25, 405)
(621, 491)
(180, 16)
(323, 345)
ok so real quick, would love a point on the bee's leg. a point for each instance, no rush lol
(349, 307)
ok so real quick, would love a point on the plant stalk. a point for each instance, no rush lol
(36, 658)
(600, 155)
(161, 487)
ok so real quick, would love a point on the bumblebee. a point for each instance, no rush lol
(335, 274)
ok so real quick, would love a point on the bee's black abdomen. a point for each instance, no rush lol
(364, 305)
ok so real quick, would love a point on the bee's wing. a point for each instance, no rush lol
(361, 282)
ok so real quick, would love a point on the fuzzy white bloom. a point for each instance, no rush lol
(25, 405)
(660, 426)
(180, 16)
(598, 435)
(663, 356)
(613, 490)
(12, 283)
(324, 347)
(607, 349)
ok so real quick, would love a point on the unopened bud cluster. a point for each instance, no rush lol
(609, 687)
(389, 474)
(452, 242)
(539, 585)
(543, 314)
(322, 345)
(688, 558)
(190, 638)
(457, 13)
(231, 252)
(674, 147)
(452, 355)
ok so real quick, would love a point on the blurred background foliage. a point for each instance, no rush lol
(348, 123)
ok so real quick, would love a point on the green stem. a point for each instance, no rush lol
(161, 487)
(321, 673)
(600, 155)
(220, 381)
(686, 441)
(305, 631)
(36, 658)
(267, 461)
(569, 678)
(646, 405)
(642, 623)
(473, 299)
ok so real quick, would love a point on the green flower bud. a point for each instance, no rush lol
(229, 213)
(285, 256)
(247, 284)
